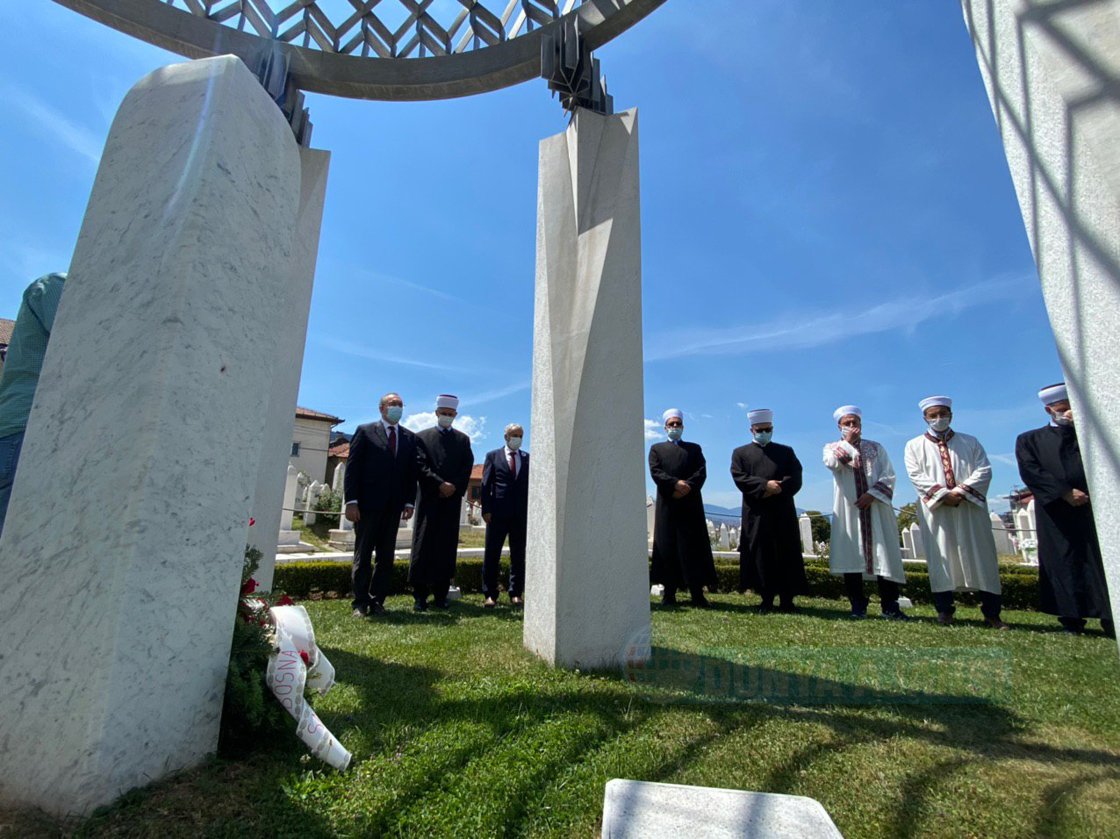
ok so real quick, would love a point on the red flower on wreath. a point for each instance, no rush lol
(252, 521)
(306, 658)
(285, 601)
(249, 586)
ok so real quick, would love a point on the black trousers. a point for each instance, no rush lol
(374, 533)
(990, 604)
(888, 593)
(420, 591)
(500, 526)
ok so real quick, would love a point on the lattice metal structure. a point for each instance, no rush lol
(374, 49)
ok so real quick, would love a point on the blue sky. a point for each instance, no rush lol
(827, 218)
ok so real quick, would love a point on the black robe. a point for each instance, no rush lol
(770, 561)
(441, 456)
(1071, 577)
(682, 552)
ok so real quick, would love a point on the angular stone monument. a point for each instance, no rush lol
(117, 635)
(1050, 70)
(805, 525)
(288, 539)
(587, 572)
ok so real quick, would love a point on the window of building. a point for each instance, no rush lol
(295, 449)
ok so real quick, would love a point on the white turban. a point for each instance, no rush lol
(446, 400)
(760, 416)
(845, 410)
(671, 413)
(1054, 393)
(935, 402)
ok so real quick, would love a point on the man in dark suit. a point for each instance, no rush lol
(505, 509)
(380, 491)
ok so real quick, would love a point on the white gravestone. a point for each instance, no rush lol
(916, 540)
(338, 480)
(313, 494)
(647, 810)
(724, 538)
(651, 509)
(165, 332)
(1002, 537)
(908, 544)
(1050, 71)
(587, 571)
(733, 538)
(805, 524)
(276, 436)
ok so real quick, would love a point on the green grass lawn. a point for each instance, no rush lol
(457, 731)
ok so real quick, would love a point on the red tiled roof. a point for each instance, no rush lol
(476, 472)
(6, 327)
(307, 413)
(341, 450)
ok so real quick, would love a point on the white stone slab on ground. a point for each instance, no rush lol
(646, 810)
(587, 576)
(118, 619)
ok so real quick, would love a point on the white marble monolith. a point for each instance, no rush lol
(122, 550)
(276, 436)
(1050, 70)
(916, 540)
(805, 525)
(908, 547)
(587, 571)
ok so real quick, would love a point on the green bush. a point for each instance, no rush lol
(301, 579)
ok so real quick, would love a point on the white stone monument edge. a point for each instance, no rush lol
(94, 735)
(1062, 142)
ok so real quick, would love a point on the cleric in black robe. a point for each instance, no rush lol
(682, 551)
(769, 475)
(1071, 577)
(444, 461)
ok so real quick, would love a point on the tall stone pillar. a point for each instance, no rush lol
(1050, 71)
(587, 577)
(122, 550)
(276, 436)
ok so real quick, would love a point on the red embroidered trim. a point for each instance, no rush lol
(883, 489)
(864, 516)
(932, 491)
(972, 491)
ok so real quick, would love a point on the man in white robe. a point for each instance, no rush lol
(865, 542)
(951, 473)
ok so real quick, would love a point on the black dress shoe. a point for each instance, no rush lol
(787, 609)
(896, 615)
(701, 602)
(669, 600)
(441, 604)
(419, 606)
(376, 609)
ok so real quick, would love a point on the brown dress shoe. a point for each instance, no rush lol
(996, 623)
(944, 618)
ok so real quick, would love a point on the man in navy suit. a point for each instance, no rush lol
(505, 509)
(380, 491)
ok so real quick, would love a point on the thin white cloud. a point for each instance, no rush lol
(363, 274)
(473, 427)
(360, 351)
(1007, 459)
(653, 430)
(808, 329)
(496, 393)
(52, 123)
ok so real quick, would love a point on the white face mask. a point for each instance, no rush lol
(674, 433)
(941, 424)
(1063, 420)
(444, 420)
(514, 443)
(849, 432)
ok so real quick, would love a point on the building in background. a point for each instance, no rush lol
(6, 327)
(311, 439)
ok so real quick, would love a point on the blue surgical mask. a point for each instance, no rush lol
(762, 437)
(674, 433)
(514, 443)
(444, 420)
(393, 414)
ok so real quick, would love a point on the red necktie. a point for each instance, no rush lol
(393, 439)
(513, 465)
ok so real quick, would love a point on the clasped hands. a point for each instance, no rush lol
(682, 489)
(772, 488)
(1076, 498)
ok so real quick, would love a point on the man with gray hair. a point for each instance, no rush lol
(505, 509)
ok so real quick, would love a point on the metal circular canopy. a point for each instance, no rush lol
(373, 49)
